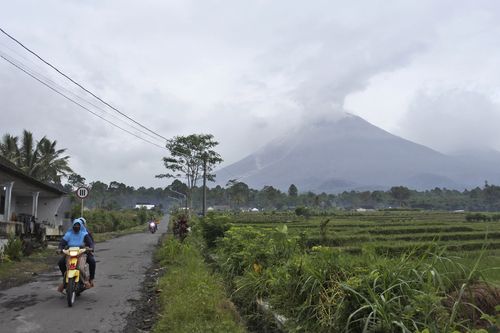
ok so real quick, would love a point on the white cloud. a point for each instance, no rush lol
(243, 71)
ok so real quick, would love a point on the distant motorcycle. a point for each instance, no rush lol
(153, 227)
(77, 272)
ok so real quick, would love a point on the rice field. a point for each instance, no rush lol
(392, 233)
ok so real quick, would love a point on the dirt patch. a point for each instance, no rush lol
(28, 269)
(147, 308)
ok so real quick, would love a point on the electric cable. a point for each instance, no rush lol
(81, 98)
(78, 84)
(75, 102)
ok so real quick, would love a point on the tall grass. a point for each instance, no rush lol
(328, 290)
(192, 298)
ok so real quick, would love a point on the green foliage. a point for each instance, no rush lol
(213, 227)
(40, 160)
(189, 155)
(192, 298)
(324, 289)
(476, 217)
(302, 211)
(13, 249)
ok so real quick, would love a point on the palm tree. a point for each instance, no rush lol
(41, 161)
(53, 165)
(9, 148)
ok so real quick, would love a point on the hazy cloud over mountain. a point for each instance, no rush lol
(250, 71)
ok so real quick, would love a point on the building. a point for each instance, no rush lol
(145, 205)
(25, 200)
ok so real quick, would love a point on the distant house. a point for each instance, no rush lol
(144, 205)
(220, 208)
(25, 200)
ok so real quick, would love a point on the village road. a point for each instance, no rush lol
(121, 266)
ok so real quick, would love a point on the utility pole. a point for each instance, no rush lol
(205, 184)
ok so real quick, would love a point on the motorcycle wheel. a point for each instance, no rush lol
(71, 292)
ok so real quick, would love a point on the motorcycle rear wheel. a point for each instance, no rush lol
(71, 292)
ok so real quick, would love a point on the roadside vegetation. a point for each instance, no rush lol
(19, 265)
(391, 271)
(192, 297)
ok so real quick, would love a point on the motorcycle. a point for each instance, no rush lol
(77, 272)
(152, 227)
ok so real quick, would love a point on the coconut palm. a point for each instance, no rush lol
(9, 148)
(53, 164)
(41, 160)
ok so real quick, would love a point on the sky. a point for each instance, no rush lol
(248, 72)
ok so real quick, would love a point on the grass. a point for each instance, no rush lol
(192, 297)
(395, 232)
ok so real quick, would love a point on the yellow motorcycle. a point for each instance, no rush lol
(77, 272)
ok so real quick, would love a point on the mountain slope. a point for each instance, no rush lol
(344, 154)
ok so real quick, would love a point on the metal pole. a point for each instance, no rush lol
(82, 208)
(205, 186)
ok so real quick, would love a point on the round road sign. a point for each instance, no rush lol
(82, 192)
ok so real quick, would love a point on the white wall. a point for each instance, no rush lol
(47, 210)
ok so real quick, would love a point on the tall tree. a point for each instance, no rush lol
(9, 148)
(400, 193)
(188, 154)
(293, 191)
(53, 166)
(238, 192)
(39, 160)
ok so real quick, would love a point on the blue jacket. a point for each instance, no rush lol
(76, 239)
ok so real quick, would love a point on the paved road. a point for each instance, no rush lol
(121, 264)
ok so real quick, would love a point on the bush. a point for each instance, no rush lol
(14, 248)
(213, 227)
(302, 211)
(471, 217)
(100, 220)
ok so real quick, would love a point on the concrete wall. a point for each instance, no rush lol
(23, 205)
(47, 210)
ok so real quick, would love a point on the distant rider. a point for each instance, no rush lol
(77, 237)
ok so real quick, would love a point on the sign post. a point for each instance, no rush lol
(82, 192)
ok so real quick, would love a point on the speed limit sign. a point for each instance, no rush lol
(82, 192)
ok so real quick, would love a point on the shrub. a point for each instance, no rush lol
(14, 248)
(213, 227)
(302, 211)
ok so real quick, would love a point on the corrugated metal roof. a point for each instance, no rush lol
(10, 168)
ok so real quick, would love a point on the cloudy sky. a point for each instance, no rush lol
(249, 71)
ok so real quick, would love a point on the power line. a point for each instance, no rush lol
(78, 84)
(75, 102)
(46, 79)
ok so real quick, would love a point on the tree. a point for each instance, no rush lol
(238, 192)
(293, 191)
(270, 196)
(53, 165)
(188, 155)
(75, 180)
(41, 160)
(400, 193)
(9, 148)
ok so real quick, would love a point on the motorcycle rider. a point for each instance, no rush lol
(77, 237)
(85, 228)
(152, 225)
